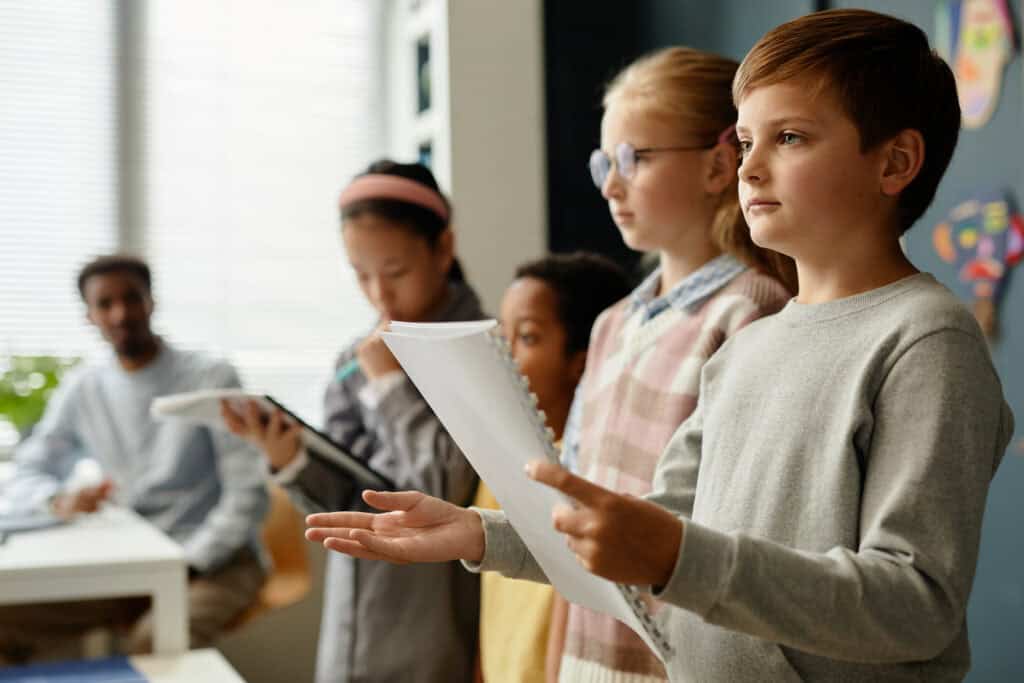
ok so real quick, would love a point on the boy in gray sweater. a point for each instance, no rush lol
(818, 516)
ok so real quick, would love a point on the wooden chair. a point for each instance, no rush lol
(289, 580)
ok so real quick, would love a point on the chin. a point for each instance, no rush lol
(767, 238)
(634, 239)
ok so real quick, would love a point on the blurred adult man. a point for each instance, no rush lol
(203, 488)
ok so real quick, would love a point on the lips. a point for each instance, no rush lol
(758, 203)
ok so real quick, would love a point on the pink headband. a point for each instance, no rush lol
(727, 134)
(384, 186)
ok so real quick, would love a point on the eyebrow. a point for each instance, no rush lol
(777, 122)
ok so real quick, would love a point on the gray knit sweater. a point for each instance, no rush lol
(833, 480)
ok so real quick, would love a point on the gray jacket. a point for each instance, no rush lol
(384, 622)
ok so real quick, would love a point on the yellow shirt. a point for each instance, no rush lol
(515, 617)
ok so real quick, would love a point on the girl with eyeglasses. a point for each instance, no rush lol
(384, 622)
(667, 166)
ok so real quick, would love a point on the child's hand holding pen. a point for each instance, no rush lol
(374, 357)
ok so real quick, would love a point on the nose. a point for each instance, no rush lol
(614, 185)
(118, 313)
(752, 169)
(381, 293)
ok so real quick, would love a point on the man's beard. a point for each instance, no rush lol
(135, 345)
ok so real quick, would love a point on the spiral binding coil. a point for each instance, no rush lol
(530, 401)
(539, 419)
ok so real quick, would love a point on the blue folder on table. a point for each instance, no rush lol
(111, 670)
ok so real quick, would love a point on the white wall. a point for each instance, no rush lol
(486, 123)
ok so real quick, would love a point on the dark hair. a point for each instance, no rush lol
(885, 76)
(584, 284)
(417, 219)
(114, 263)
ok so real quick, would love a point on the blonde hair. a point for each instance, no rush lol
(694, 88)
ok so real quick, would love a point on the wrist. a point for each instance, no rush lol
(670, 554)
(280, 460)
(477, 538)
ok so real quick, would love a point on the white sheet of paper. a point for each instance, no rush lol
(464, 379)
(204, 405)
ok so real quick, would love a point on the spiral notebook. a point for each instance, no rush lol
(204, 406)
(465, 372)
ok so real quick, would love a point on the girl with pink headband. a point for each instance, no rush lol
(382, 622)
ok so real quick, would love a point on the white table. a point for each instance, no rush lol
(112, 553)
(197, 666)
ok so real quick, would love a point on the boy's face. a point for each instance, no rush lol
(530, 322)
(806, 188)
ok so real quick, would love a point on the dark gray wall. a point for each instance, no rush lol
(990, 157)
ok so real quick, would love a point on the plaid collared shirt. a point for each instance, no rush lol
(689, 292)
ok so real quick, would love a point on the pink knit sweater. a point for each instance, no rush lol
(641, 383)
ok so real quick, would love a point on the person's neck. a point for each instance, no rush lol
(853, 269)
(557, 417)
(138, 362)
(683, 259)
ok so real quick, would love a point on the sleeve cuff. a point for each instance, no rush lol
(504, 551)
(377, 389)
(290, 472)
(705, 563)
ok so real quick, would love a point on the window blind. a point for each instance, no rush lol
(58, 173)
(254, 116)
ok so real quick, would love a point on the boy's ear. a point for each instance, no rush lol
(721, 170)
(903, 160)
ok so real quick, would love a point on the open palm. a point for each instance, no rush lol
(414, 527)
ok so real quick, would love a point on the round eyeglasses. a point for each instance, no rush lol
(625, 160)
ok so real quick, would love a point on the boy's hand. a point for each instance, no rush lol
(620, 537)
(375, 358)
(87, 499)
(277, 436)
(415, 528)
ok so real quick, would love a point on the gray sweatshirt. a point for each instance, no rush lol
(833, 481)
(383, 622)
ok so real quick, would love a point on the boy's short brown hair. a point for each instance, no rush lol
(885, 76)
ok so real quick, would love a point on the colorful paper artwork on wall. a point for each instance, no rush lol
(983, 239)
(977, 38)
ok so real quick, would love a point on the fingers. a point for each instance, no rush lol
(340, 520)
(253, 417)
(102, 492)
(565, 481)
(89, 498)
(232, 419)
(355, 549)
(320, 534)
(393, 501)
(569, 520)
(380, 547)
